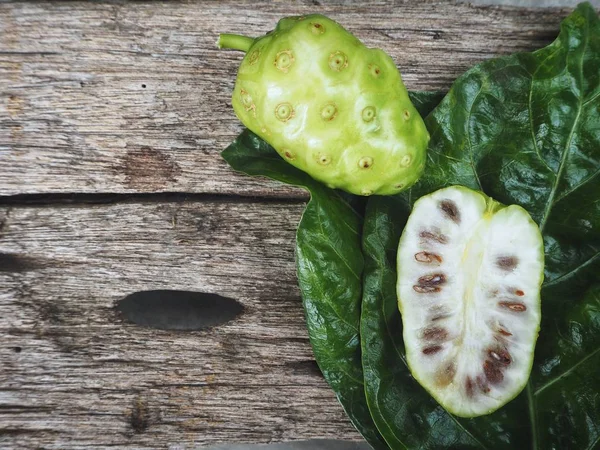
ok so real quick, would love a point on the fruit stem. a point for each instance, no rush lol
(235, 42)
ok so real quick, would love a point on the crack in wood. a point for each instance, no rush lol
(52, 199)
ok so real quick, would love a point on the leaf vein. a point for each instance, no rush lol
(535, 146)
(566, 372)
(335, 250)
(574, 188)
(567, 150)
(471, 151)
(572, 271)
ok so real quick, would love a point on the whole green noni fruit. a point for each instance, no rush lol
(330, 106)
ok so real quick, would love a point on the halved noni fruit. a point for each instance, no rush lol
(469, 276)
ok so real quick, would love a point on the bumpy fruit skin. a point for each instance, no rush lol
(331, 107)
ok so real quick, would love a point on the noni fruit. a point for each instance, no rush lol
(470, 272)
(330, 106)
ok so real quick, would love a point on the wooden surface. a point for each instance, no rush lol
(74, 374)
(132, 98)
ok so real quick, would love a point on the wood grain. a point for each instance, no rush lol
(134, 96)
(74, 374)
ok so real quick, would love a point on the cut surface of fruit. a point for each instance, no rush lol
(469, 276)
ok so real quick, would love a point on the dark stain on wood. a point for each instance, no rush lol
(148, 169)
(14, 263)
(178, 310)
(50, 313)
(17, 263)
(139, 418)
(4, 221)
(14, 106)
(205, 223)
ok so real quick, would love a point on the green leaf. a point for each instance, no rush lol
(566, 380)
(330, 263)
(525, 129)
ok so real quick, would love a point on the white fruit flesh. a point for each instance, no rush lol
(469, 277)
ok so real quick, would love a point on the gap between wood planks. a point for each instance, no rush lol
(23, 200)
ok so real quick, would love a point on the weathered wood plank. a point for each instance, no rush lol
(73, 374)
(134, 96)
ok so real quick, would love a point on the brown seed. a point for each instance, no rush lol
(426, 257)
(507, 263)
(434, 279)
(503, 332)
(469, 387)
(430, 283)
(439, 317)
(519, 292)
(492, 372)
(501, 356)
(432, 349)
(435, 334)
(434, 235)
(450, 210)
(513, 306)
(482, 385)
(439, 312)
(445, 377)
(426, 289)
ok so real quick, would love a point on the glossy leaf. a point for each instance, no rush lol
(566, 381)
(525, 129)
(330, 263)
